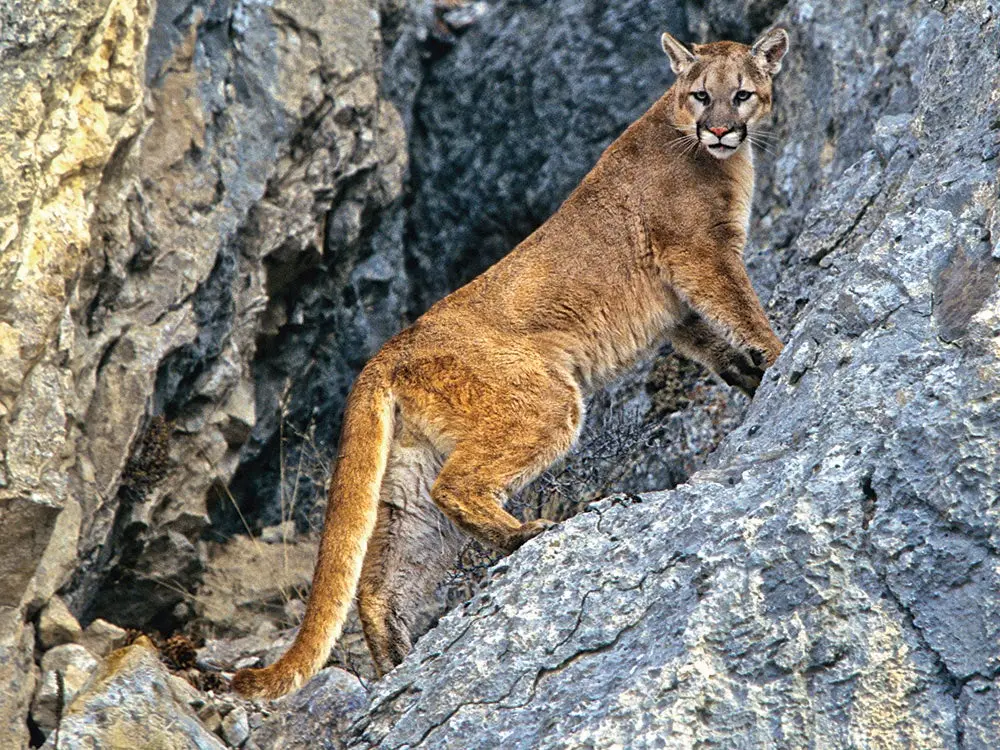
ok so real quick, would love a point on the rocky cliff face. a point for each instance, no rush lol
(212, 214)
(72, 94)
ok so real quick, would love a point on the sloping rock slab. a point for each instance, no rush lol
(331, 700)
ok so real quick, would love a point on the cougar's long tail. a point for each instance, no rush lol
(350, 520)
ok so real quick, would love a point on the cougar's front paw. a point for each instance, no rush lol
(758, 358)
(766, 356)
(531, 529)
(738, 380)
(744, 371)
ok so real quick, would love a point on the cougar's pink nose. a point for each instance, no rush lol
(718, 132)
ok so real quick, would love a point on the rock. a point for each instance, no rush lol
(210, 717)
(279, 534)
(270, 143)
(336, 278)
(231, 601)
(228, 655)
(56, 625)
(27, 523)
(69, 656)
(65, 669)
(235, 727)
(130, 703)
(66, 105)
(102, 637)
(980, 705)
(59, 560)
(184, 692)
(334, 698)
(17, 673)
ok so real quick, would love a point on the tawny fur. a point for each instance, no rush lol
(486, 389)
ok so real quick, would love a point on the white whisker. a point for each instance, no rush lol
(761, 145)
(682, 144)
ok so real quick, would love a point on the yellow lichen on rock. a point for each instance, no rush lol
(69, 97)
(885, 714)
(61, 137)
(129, 703)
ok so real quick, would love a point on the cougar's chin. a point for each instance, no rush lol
(721, 150)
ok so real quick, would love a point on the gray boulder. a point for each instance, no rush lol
(56, 625)
(132, 701)
(332, 699)
(64, 669)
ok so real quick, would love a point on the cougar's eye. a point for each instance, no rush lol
(742, 96)
(700, 96)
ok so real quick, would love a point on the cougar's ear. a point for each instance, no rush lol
(769, 49)
(681, 58)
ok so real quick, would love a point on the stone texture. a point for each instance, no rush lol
(70, 95)
(102, 637)
(65, 669)
(235, 727)
(131, 703)
(249, 582)
(263, 120)
(28, 525)
(56, 625)
(282, 533)
(337, 287)
(333, 699)
(17, 672)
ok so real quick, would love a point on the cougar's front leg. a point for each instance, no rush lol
(695, 338)
(719, 288)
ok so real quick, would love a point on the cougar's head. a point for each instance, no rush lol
(724, 88)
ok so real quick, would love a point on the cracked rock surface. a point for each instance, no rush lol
(832, 578)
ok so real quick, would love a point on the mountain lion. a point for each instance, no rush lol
(486, 389)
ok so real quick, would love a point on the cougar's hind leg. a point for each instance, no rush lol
(498, 456)
(412, 548)
(380, 617)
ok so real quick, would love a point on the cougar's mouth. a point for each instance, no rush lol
(721, 147)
